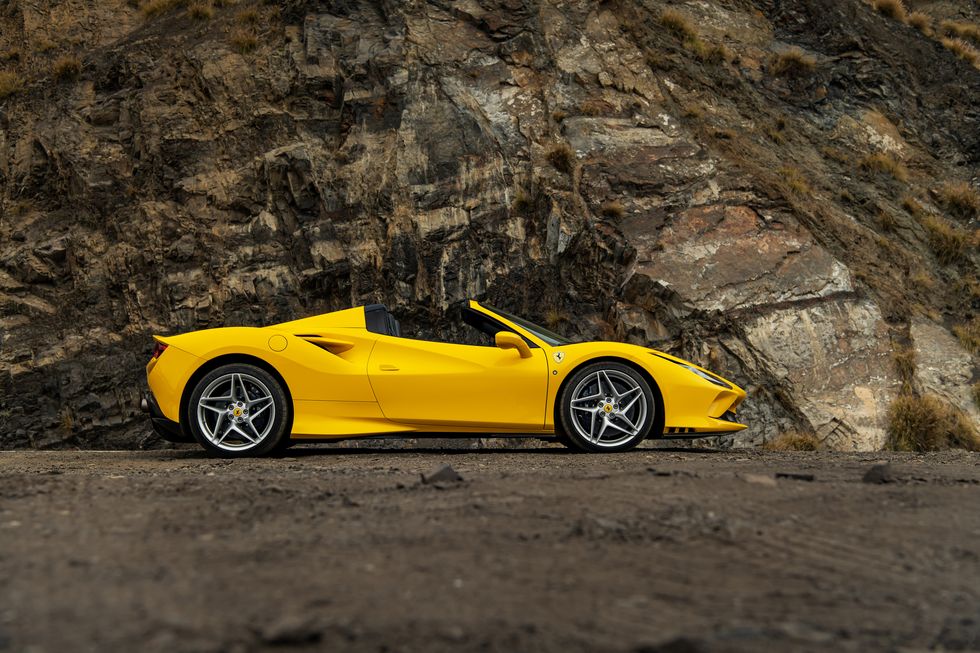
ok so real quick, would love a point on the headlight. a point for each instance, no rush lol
(706, 376)
(711, 378)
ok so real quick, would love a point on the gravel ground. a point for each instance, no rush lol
(543, 550)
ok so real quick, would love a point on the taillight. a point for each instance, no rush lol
(158, 348)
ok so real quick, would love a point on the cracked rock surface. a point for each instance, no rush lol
(575, 162)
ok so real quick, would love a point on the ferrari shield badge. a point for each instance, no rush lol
(559, 356)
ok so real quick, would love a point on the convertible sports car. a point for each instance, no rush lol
(243, 391)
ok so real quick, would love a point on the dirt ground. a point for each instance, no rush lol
(534, 550)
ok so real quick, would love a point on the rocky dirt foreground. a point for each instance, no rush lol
(673, 550)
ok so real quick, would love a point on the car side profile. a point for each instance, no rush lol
(248, 391)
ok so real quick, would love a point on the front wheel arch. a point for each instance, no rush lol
(658, 424)
(228, 359)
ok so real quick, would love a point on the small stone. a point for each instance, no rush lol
(444, 474)
(292, 630)
(759, 479)
(879, 474)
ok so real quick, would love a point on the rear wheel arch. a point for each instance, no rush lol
(227, 359)
(658, 425)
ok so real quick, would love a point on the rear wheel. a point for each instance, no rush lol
(607, 406)
(238, 411)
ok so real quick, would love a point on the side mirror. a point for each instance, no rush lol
(508, 340)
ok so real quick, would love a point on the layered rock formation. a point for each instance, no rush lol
(588, 164)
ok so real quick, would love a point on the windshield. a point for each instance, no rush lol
(550, 337)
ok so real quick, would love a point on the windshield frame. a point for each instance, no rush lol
(547, 336)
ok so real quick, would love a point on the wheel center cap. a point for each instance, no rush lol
(237, 412)
(608, 408)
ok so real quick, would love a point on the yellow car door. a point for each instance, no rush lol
(443, 384)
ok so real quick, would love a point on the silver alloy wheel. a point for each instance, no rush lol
(608, 408)
(236, 411)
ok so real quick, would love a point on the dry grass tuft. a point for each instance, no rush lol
(921, 21)
(244, 40)
(596, 107)
(914, 207)
(681, 27)
(678, 25)
(12, 55)
(200, 11)
(792, 62)
(947, 242)
(248, 16)
(885, 164)
(562, 157)
(613, 209)
(793, 441)
(969, 335)
(152, 8)
(558, 115)
(795, 181)
(960, 200)
(904, 360)
(522, 201)
(891, 8)
(555, 317)
(960, 30)
(66, 68)
(963, 50)
(10, 83)
(927, 424)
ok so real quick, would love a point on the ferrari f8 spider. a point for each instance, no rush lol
(246, 391)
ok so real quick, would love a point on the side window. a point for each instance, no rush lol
(487, 326)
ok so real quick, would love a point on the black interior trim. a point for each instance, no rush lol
(489, 326)
(377, 319)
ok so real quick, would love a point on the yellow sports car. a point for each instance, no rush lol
(243, 391)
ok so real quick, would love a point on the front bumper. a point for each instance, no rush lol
(167, 429)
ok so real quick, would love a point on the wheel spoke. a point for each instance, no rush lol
(602, 429)
(632, 426)
(628, 393)
(223, 399)
(610, 388)
(217, 426)
(262, 404)
(236, 382)
(583, 399)
(214, 409)
(624, 409)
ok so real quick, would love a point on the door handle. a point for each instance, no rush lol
(385, 367)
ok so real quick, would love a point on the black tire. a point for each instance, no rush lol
(270, 433)
(643, 414)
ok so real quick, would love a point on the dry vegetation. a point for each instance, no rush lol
(963, 50)
(927, 423)
(891, 8)
(883, 163)
(152, 8)
(969, 335)
(562, 157)
(921, 21)
(200, 11)
(244, 40)
(960, 200)
(795, 181)
(614, 209)
(10, 83)
(904, 360)
(66, 68)
(961, 30)
(793, 441)
(792, 62)
(681, 27)
(947, 242)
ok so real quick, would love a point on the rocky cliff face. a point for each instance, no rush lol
(785, 192)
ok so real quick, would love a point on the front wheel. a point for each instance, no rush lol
(237, 411)
(607, 406)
